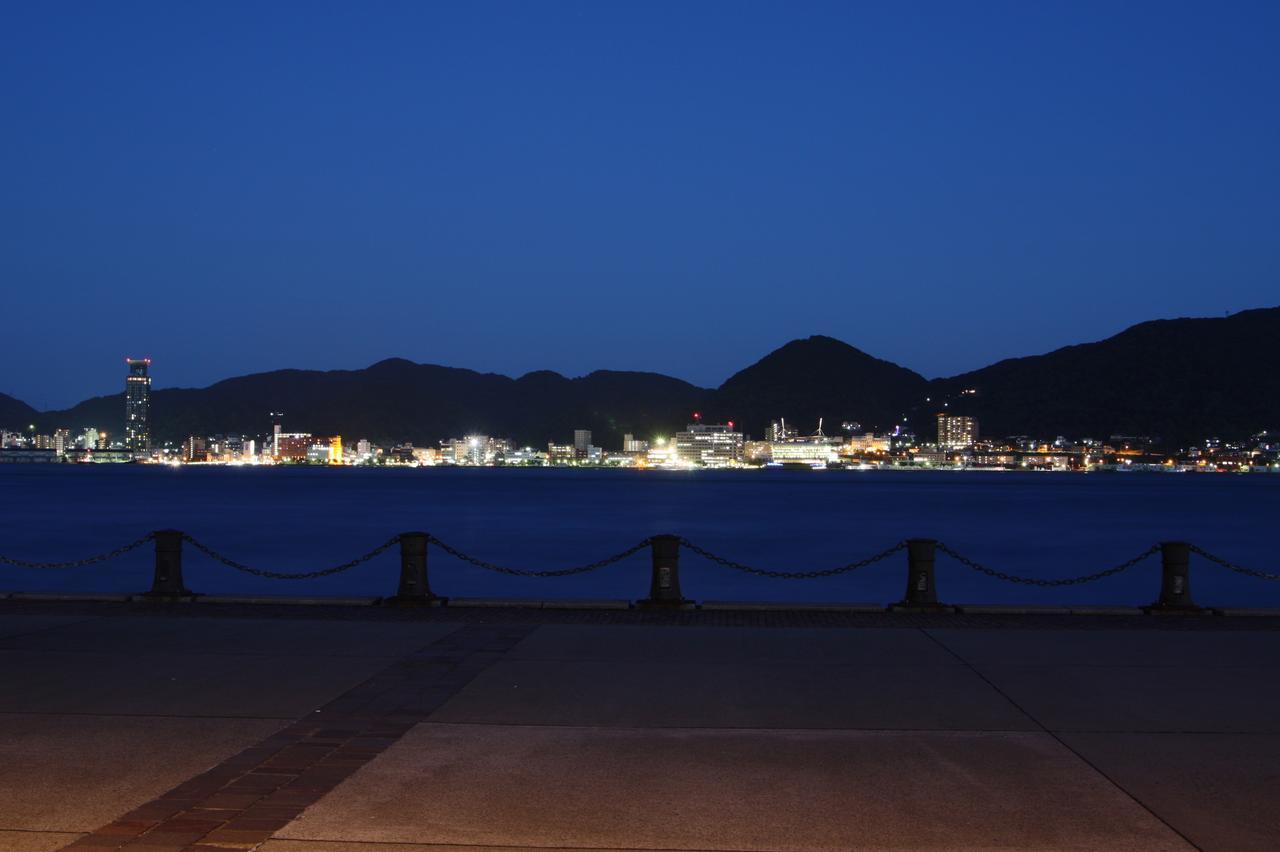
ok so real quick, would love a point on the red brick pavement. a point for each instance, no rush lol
(245, 799)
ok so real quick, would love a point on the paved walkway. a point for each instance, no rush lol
(178, 727)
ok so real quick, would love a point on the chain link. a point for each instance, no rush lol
(1038, 581)
(1231, 566)
(516, 572)
(79, 563)
(792, 575)
(281, 575)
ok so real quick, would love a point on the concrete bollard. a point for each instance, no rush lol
(414, 587)
(921, 591)
(167, 582)
(1175, 579)
(664, 583)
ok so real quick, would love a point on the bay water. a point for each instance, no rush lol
(1048, 525)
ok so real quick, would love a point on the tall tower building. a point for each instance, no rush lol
(277, 419)
(137, 405)
(956, 433)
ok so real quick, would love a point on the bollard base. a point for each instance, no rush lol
(650, 603)
(156, 597)
(914, 607)
(1176, 609)
(433, 600)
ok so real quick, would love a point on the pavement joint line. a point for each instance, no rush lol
(245, 799)
(390, 658)
(756, 729)
(300, 842)
(85, 713)
(88, 618)
(1054, 734)
(782, 618)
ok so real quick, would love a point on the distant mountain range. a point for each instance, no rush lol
(1182, 380)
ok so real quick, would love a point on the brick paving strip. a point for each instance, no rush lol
(242, 801)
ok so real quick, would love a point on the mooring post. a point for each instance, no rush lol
(1175, 579)
(167, 582)
(664, 583)
(414, 588)
(921, 591)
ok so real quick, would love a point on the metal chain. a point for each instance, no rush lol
(792, 575)
(281, 575)
(1239, 569)
(79, 563)
(564, 572)
(1037, 581)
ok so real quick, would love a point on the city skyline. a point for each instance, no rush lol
(564, 186)
(1151, 380)
(704, 442)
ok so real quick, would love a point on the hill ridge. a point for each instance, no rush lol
(1182, 378)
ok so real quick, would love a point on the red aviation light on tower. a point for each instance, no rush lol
(697, 415)
(730, 424)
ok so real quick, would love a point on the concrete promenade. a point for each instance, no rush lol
(283, 728)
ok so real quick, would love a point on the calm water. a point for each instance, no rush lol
(1039, 524)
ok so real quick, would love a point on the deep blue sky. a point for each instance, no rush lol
(676, 187)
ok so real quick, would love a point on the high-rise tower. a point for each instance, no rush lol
(137, 405)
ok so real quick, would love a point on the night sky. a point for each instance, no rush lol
(673, 187)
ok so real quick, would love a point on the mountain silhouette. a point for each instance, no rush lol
(1181, 380)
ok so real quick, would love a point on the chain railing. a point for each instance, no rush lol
(286, 575)
(921, 593)
(1045, 582)
(517, 572)
(78, 563)
(792, 575)
(1231, 566)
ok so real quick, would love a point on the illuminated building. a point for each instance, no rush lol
(525, 456)
(778, 432)
(868, 443)
(810, 451)
(709, 445)
(815, 450)
(335, 450)
(955, 432)
(277, 417)
(195, 449)
(631, 445)
(475, 449)
(426, 455)
(561, 454)
(88, 440)
(137, 405)
(25, 455)
(292, 446)
(232, 447)
(661, 453)
(61, 440)
(581, 442)
(928, 457)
